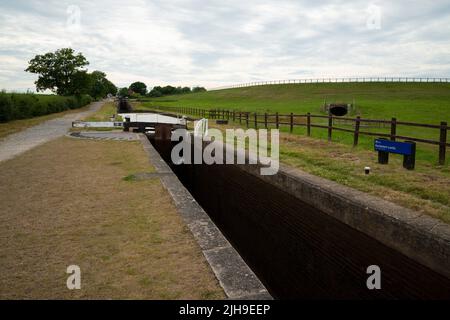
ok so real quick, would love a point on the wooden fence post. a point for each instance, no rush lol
(256, 120)
(330, 126)
(292, 122)
(265, 120)
(308, 124)
(246, 118)
(442, 142)
(393, 128)
(356, 134)
(234, 115)
(277, 120)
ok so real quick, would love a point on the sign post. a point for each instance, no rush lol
(407, 149)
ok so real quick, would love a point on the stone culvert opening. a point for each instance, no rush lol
(338, 109)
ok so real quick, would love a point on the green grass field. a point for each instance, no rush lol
(412, 102)
(417, 102)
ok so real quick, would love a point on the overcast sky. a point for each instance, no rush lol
(214, 43)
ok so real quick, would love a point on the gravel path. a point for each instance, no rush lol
(27, 139)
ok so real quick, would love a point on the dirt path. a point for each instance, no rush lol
(27, 139)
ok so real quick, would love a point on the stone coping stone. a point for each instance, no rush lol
(418, 236)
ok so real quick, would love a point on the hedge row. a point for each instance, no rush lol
(15, 106)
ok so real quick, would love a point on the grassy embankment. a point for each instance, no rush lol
(426, 189)
(126, 236)
(413, 102)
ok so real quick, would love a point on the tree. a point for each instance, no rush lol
(168, 90)
(139, 87)
(79, 84)
(155, 92)
(198, 89)
(59, 71)
(100, 86)
(185, 90)
(123, 92)
(111, 88)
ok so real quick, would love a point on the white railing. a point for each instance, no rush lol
(333, 80)
(201, 128)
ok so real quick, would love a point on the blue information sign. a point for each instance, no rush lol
(405, 148)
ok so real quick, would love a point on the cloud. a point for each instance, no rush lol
(214, 43)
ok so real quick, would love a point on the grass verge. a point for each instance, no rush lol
(104, 113)
(66, 202)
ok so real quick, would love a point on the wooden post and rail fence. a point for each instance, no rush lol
(306, 120)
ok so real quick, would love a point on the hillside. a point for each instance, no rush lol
(419, 102)
(410, 102)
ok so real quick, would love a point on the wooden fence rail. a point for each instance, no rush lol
(306, 120)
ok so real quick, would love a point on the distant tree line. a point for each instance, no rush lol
(159, 91)
(140, 89)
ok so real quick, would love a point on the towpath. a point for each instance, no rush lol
(27, 139)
